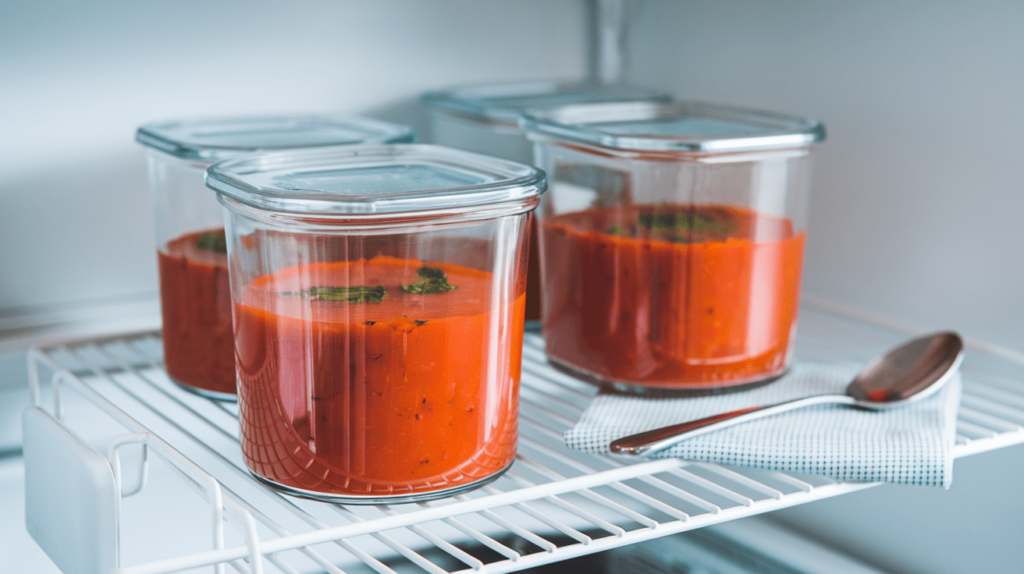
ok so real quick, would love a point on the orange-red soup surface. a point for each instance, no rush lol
(413, 393)
(671, 297)
(196, 305)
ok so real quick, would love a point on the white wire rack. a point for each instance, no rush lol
(553, 504)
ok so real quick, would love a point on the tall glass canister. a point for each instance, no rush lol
(378, 297)
(672, 242)
(484, 119)
(191, 252)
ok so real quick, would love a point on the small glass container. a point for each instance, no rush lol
(378, 297)
(195, 304)
(672, 242)
(484, 119)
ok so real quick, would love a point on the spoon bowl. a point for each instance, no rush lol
(907, 373)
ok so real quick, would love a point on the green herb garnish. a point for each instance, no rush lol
(683, 226)
(430, 280)
(347, 294)
(699, 223)
(212, 241)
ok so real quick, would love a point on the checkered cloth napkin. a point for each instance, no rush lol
(912, 444)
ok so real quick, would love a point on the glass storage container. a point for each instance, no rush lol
(378, 297)
(195, 304)
(672, 242)
(484, 119)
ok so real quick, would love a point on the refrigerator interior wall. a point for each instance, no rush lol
(913, 213)
(76, 222)
(914, 209)
(916, 193)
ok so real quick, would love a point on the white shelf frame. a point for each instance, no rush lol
(587, 504)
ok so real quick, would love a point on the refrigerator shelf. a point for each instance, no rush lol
(183, 500)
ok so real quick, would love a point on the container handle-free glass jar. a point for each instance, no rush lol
(672, 242)
(378, 296)
(192, 256)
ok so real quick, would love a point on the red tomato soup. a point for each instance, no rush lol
(673, 297)
(378, 377)
(196, 304)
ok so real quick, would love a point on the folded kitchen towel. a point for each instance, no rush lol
(912, 444)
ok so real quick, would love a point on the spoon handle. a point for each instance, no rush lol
(659, 439)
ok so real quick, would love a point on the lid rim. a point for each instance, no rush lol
(780, 130)
(159, 135)
(227, 178)
(470, 102)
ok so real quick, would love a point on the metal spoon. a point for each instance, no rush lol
(907, 373)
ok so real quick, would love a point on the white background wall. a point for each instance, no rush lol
(77, 78)
(918, 195)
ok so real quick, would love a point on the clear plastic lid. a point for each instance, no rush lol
(672, 127)
(375, 179)
(503, 103)
(217, 139)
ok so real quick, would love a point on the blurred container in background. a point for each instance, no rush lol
(194, 297)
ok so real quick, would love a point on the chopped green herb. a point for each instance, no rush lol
(347, 294)
(212, 241)
(431, 273)
(430, 280)
(687, 222)
(616, 230)
(418, 322)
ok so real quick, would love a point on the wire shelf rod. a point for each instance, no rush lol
(712, 486)
(622, 488)
(744, 480)
(568, 506)
(479, 537)
(991, 421)
(595, 497)
(238, 507)
(166, 449)
(534, 539)
(279, 497)
(550, 399)
(436, 540)
(792, 480)
(971, 429)
(386, 539)
(550, 521)
(660, 484)
(992, 407)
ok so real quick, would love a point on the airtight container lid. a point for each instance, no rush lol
(395, 178)
(503, 103)
(217, 139)
(672, 127)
